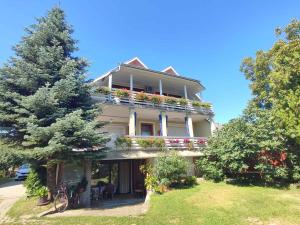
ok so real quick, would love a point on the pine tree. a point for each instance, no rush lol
(44, 98)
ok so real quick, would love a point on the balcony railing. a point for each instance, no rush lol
(152, 101)
(161, 143)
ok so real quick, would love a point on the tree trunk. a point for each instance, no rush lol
(51, 178)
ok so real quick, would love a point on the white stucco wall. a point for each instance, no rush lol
(202, 129)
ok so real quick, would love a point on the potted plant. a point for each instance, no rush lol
(156, 99)
(141, 96)
(171, 100)
(201, 104)
(103, 90)
(123, 142)
(122, 93)
(42, 193)
(182, 101)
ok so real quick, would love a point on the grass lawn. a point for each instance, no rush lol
(207, 203)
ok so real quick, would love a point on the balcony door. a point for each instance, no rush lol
(147, 129)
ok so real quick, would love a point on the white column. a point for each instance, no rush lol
(160, 87)
(131, 82)
(164, 124)
(131, 122)
(190, 125)
(110, 81)
(185, 92)
(86, 196)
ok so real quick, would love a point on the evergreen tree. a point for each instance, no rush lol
(44, 98)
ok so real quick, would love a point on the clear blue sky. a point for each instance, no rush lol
(205, 40)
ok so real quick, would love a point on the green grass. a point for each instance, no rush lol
(207, 203)
(26, 207)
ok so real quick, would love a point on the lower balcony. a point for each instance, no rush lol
(160, 143)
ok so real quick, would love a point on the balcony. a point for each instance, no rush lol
(160, 143)
(146, 100)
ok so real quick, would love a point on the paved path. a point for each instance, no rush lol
(9, 193)
(130, 210)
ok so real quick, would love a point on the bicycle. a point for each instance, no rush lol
(61, 200)
(67, 197)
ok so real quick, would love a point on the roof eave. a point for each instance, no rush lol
(166, 74)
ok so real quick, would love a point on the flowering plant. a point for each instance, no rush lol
(156, 99)
(122, 93)
(141, 96)
(202, 141)
(174, 141)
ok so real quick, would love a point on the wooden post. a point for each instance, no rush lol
(86, 196)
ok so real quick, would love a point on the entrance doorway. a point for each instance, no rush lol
(147, 129)
(125, 175)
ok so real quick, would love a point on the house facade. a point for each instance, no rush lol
(146, 112)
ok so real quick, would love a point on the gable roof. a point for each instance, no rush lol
(170, 70)
(136, 62)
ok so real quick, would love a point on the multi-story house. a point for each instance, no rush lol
(147, 112)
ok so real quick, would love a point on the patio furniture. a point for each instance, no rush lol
(139, 193)
(95, 193)
(109, 191)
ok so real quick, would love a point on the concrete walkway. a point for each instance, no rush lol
(116, 207)
(9, 193)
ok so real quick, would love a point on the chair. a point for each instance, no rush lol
(109, 190)
(95, 193)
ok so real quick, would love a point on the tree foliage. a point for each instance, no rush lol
(275, 80)
(265, 140)
(44, 98)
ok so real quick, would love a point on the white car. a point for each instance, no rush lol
(22, 172)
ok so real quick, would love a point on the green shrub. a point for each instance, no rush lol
(211, 170)
(141, 96)
(151, 181)
(42, 191)
(165, 181)
(190, 180)
(182, 101)
(170, 166)
(122, 93)
(32, 184)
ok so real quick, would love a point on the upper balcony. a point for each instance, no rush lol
(135, 76)
(146, 100)
(146, 88)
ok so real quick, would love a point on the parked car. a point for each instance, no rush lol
(22, 172)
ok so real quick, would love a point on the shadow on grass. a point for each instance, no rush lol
(183, 186)
(241, 182)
